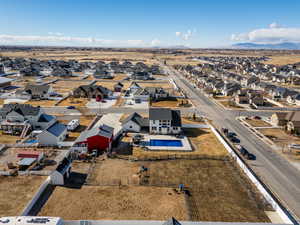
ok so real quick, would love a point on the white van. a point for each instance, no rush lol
(72, 125)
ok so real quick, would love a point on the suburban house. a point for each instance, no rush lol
(52, 135)
(293, 122)
(164, 121)
(294, 99)
(92, 91)
(19, 118)
(152, 93)
(118, 87)
(134, 123)
(278, 119)
(102, 74)
(140, 75)
(34, 91)
(97, 138)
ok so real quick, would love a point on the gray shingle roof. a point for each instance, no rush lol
(138, 119)
(22, 109)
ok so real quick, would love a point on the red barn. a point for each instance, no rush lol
(99, 138)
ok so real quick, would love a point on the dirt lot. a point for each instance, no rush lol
(16, 192)
(218, 192)
(257, 123)
(168, 103)
(162, 84)
(115, 203)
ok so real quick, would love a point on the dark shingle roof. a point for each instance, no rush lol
(56, 129)
(22, 109)
(138, 119)
(165, 114)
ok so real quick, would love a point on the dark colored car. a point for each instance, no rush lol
(234, 139)
(251, 156)
(71, 107)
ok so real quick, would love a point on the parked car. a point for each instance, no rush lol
(251, 156)
(234, 139)
(71, 107)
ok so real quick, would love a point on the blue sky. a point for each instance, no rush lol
(148, 23)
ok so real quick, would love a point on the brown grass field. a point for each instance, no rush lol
(42, 103)
(257, 123)
(64, 87)
(8, 139)
(279, 136)
(115, 203)
(16, 192)
(74, 102)
(218, 192)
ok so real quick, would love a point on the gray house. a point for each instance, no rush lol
(52, 135)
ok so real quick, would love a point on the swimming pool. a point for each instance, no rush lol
(31, 141)
(165, 143)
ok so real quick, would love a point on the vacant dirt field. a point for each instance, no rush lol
(167, 103)
(257, 123)
(162, 84)
(115, 203)
(16, 192)
(283, 59)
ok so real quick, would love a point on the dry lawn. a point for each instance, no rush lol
(218, 190)
(8, 139)
(279, 136)
(42, 103)
(16, 192)
(168, 103)
(70, 101)
(162, 84)
(65, 87)
(257, 123)
(115, 203)
(204, 144)
(283, 59)
(110, 84)
(228, 104)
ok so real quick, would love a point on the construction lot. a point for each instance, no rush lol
(215, 191)
(16, 192)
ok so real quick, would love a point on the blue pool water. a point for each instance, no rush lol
(166, 143)
(31, 141)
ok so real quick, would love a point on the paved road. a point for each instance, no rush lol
(282, 178)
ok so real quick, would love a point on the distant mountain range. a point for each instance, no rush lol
(284, 45)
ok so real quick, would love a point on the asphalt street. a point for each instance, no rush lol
(276, 172)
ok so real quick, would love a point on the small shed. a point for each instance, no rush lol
(30, 155)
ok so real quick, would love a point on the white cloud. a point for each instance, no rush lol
(272, 35)
(155, 42)
(186, 35)
(55, 33)
(58, 38)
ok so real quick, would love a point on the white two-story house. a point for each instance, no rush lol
(164, 121)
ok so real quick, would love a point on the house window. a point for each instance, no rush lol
(153, 128)
(159, 128)
(130, 126)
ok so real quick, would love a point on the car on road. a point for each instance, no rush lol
(234, 139)
(71, 107)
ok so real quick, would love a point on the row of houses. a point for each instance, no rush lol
(232, 84)
(101, 70)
